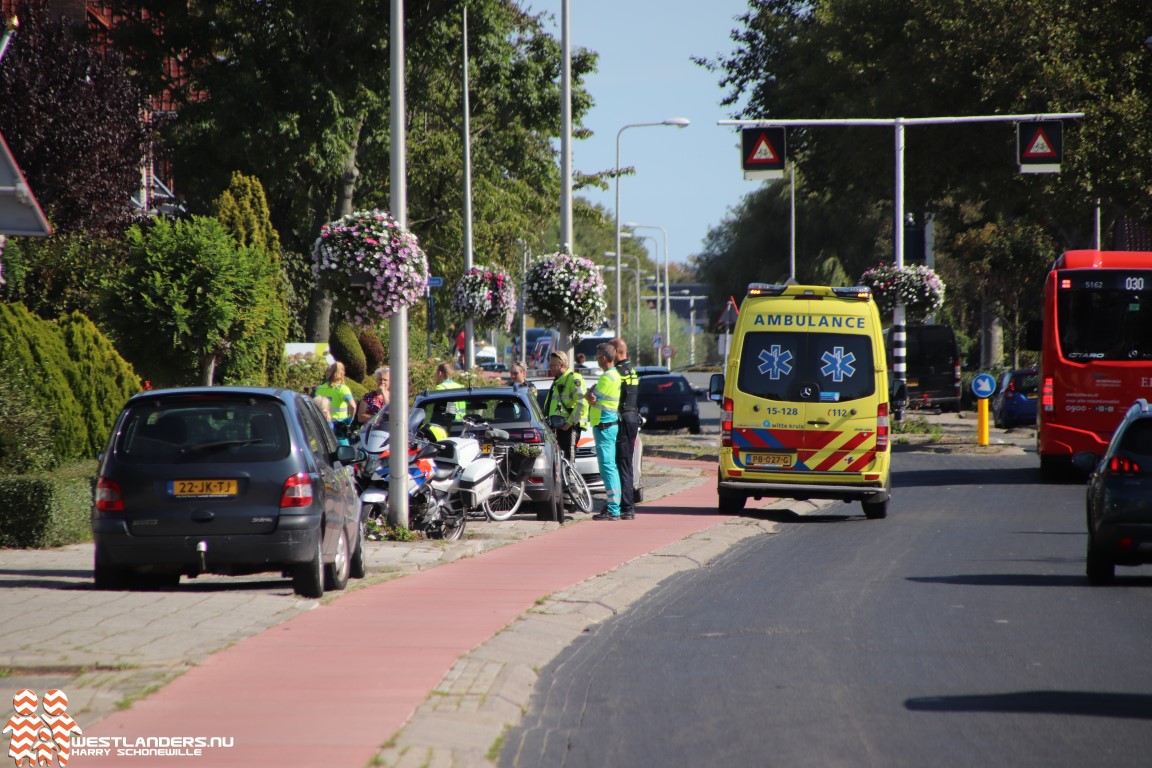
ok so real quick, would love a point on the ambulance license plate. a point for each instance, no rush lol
(783, 460)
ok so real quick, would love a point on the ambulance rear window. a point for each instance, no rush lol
(816, 367)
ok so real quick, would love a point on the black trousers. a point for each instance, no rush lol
(568, 439)
(625, 447)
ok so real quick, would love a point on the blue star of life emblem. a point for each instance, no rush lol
(775, 363)
(837, 364)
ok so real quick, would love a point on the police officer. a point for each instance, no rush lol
(629, 428)
(445, 380)
(566, 400)
(604, 417)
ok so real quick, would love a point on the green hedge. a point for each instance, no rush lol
(49, 510)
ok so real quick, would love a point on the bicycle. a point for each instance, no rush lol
(575, 489)
(508, 485)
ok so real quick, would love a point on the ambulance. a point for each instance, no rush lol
(804, 400)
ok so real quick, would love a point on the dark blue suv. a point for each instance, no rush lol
(229, 480)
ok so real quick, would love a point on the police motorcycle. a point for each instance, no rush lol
(447, 479)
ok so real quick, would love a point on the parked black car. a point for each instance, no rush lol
(231, 480)
(515, 410)
(667, 401)
(1120, 497)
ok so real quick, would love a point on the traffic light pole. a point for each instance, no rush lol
(899, 123)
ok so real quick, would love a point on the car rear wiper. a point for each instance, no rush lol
(218, 445)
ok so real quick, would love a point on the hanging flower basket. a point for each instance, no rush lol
(919, 288)
(486, 295)
(370, 265)
(564, 288)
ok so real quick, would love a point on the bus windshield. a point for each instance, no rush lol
(1104, 319)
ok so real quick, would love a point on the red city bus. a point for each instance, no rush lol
(1096, 351)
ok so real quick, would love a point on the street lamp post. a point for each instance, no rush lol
(667, 281)
(636, 317)
(656, 261)
(680, 122)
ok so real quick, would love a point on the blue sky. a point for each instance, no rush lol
(686, 179)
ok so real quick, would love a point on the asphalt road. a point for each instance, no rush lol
(958, 632)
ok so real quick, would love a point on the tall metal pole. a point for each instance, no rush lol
(680, 122)
(566, 235)
(667, 280)
(469, 326)
(398, 326)
(792, 231)
(523, 305)
(899, 335)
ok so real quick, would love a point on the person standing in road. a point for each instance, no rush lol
(629, 428)
(374, 402)
(566, 400)
(604, 417)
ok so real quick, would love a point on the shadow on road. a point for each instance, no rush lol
(1028, 580)
(1136, 706)
(924, 478)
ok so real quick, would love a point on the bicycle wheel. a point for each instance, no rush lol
(575, 489)
(504, 501)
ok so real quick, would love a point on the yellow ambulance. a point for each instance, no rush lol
(804, 399)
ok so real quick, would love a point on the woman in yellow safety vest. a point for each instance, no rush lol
(604, 416)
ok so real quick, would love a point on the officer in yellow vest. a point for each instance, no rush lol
(566, 400)
(604, 417)
(444, 380)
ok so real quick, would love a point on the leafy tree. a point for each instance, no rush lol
(61, 274)
(72, 115)
(257, 355)
(752, 244)
(881, 58)
(296, 94)
(1005, 263)
(195, 290)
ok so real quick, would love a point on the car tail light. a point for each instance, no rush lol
(1047, 398)
(882, 427)
(1011, 388)
(297, 491)
(108, 497)
(726, 423)
(1122, 465)
(526, 435)
(957, 376)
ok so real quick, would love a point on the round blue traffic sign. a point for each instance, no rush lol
(984, 385)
